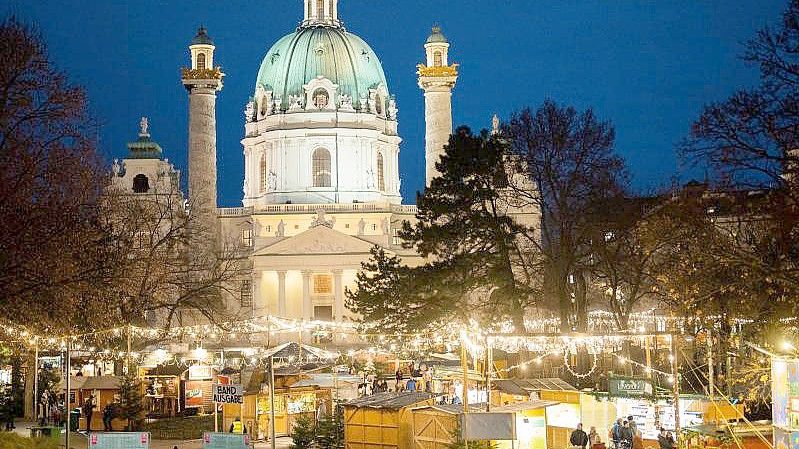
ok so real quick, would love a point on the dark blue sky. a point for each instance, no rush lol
(649, 66)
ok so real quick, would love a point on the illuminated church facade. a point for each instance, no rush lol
(321, 150)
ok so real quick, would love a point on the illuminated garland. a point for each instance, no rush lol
(576, 374)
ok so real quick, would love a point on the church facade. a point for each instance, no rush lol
(321, 150)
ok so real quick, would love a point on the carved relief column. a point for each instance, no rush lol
(307, 308)
(338, 290)
(281, 293)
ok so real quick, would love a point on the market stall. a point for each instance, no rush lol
(382, 421)
(530, 422)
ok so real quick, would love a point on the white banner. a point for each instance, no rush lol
(229, 394)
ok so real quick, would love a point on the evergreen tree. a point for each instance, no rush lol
(304, 432)
(131, 407)
(482, 263)
(330, 430)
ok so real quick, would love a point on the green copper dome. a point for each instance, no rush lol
(342, 57)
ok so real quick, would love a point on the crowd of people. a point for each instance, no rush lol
(623, 435)
(412, 377)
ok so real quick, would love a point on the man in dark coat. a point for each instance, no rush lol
(579, 438)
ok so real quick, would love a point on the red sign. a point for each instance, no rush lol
(94, 440)
(144, 438)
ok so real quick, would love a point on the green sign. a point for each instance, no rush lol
(119, 440)
(213, 440)
(629, 386)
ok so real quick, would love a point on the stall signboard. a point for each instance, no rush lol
(785, 393)
(119, 440)
(629, 386)
(563, 415)
(201, 372)
(195, 393)
(488, 426)
(229, 394)
(214, 440)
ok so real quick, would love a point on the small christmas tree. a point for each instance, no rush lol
(131, 407)
(304, 432)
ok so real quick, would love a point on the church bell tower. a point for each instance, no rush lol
(202, 81)
(437, 78)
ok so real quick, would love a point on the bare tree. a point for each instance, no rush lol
(569, 157)
(169, 264)
(50, 180)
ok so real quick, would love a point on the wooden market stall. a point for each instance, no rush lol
(562, 418)
(532, 429)
(105, 390)
(435, 426)
(382, 421)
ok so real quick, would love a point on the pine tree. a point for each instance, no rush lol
(304, 432)
(480, 260)
(131, 407)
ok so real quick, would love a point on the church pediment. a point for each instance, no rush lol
(319, 240)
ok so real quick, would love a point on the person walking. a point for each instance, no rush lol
(593, 437)
(88, 410)
(579, 439)
(108, 416)
(615, 433)
(626, 441)
(665, 440)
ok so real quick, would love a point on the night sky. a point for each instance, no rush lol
(649, 66)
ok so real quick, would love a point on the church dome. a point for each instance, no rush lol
(328, 51)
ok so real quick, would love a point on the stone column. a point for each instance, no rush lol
(338, 290)
(438, 125)
(202, 150)
(307, 307)
(281, 293)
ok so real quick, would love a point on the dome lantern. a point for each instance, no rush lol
(321, 13)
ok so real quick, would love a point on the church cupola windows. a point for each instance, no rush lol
(320, 98)
(263, 173)
(321, 168)
(438, 59)
(381, 175)
(141, 184)
(201, 61)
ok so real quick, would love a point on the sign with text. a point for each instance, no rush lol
(629, 386)
(229, 394)
(119, 440)
(213, 440)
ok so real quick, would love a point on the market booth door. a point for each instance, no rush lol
(433, 428)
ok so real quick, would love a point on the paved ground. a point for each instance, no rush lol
(78, 441)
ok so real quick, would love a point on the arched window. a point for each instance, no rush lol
(438, 60)
(141, 184)
(263, 172)
(381, 176)
(320, 9)
(201, 61)
(320, 98)
(321, 168)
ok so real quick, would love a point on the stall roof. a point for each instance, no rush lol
(522, 406)
(453, 409)
(92, 383)
(102, 383)
(326, 380)
(523, 387)
(390, 400)
(293, 350)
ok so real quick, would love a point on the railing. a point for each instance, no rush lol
(312, 208)
(234, 211)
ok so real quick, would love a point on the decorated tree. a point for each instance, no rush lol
(131, 407)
